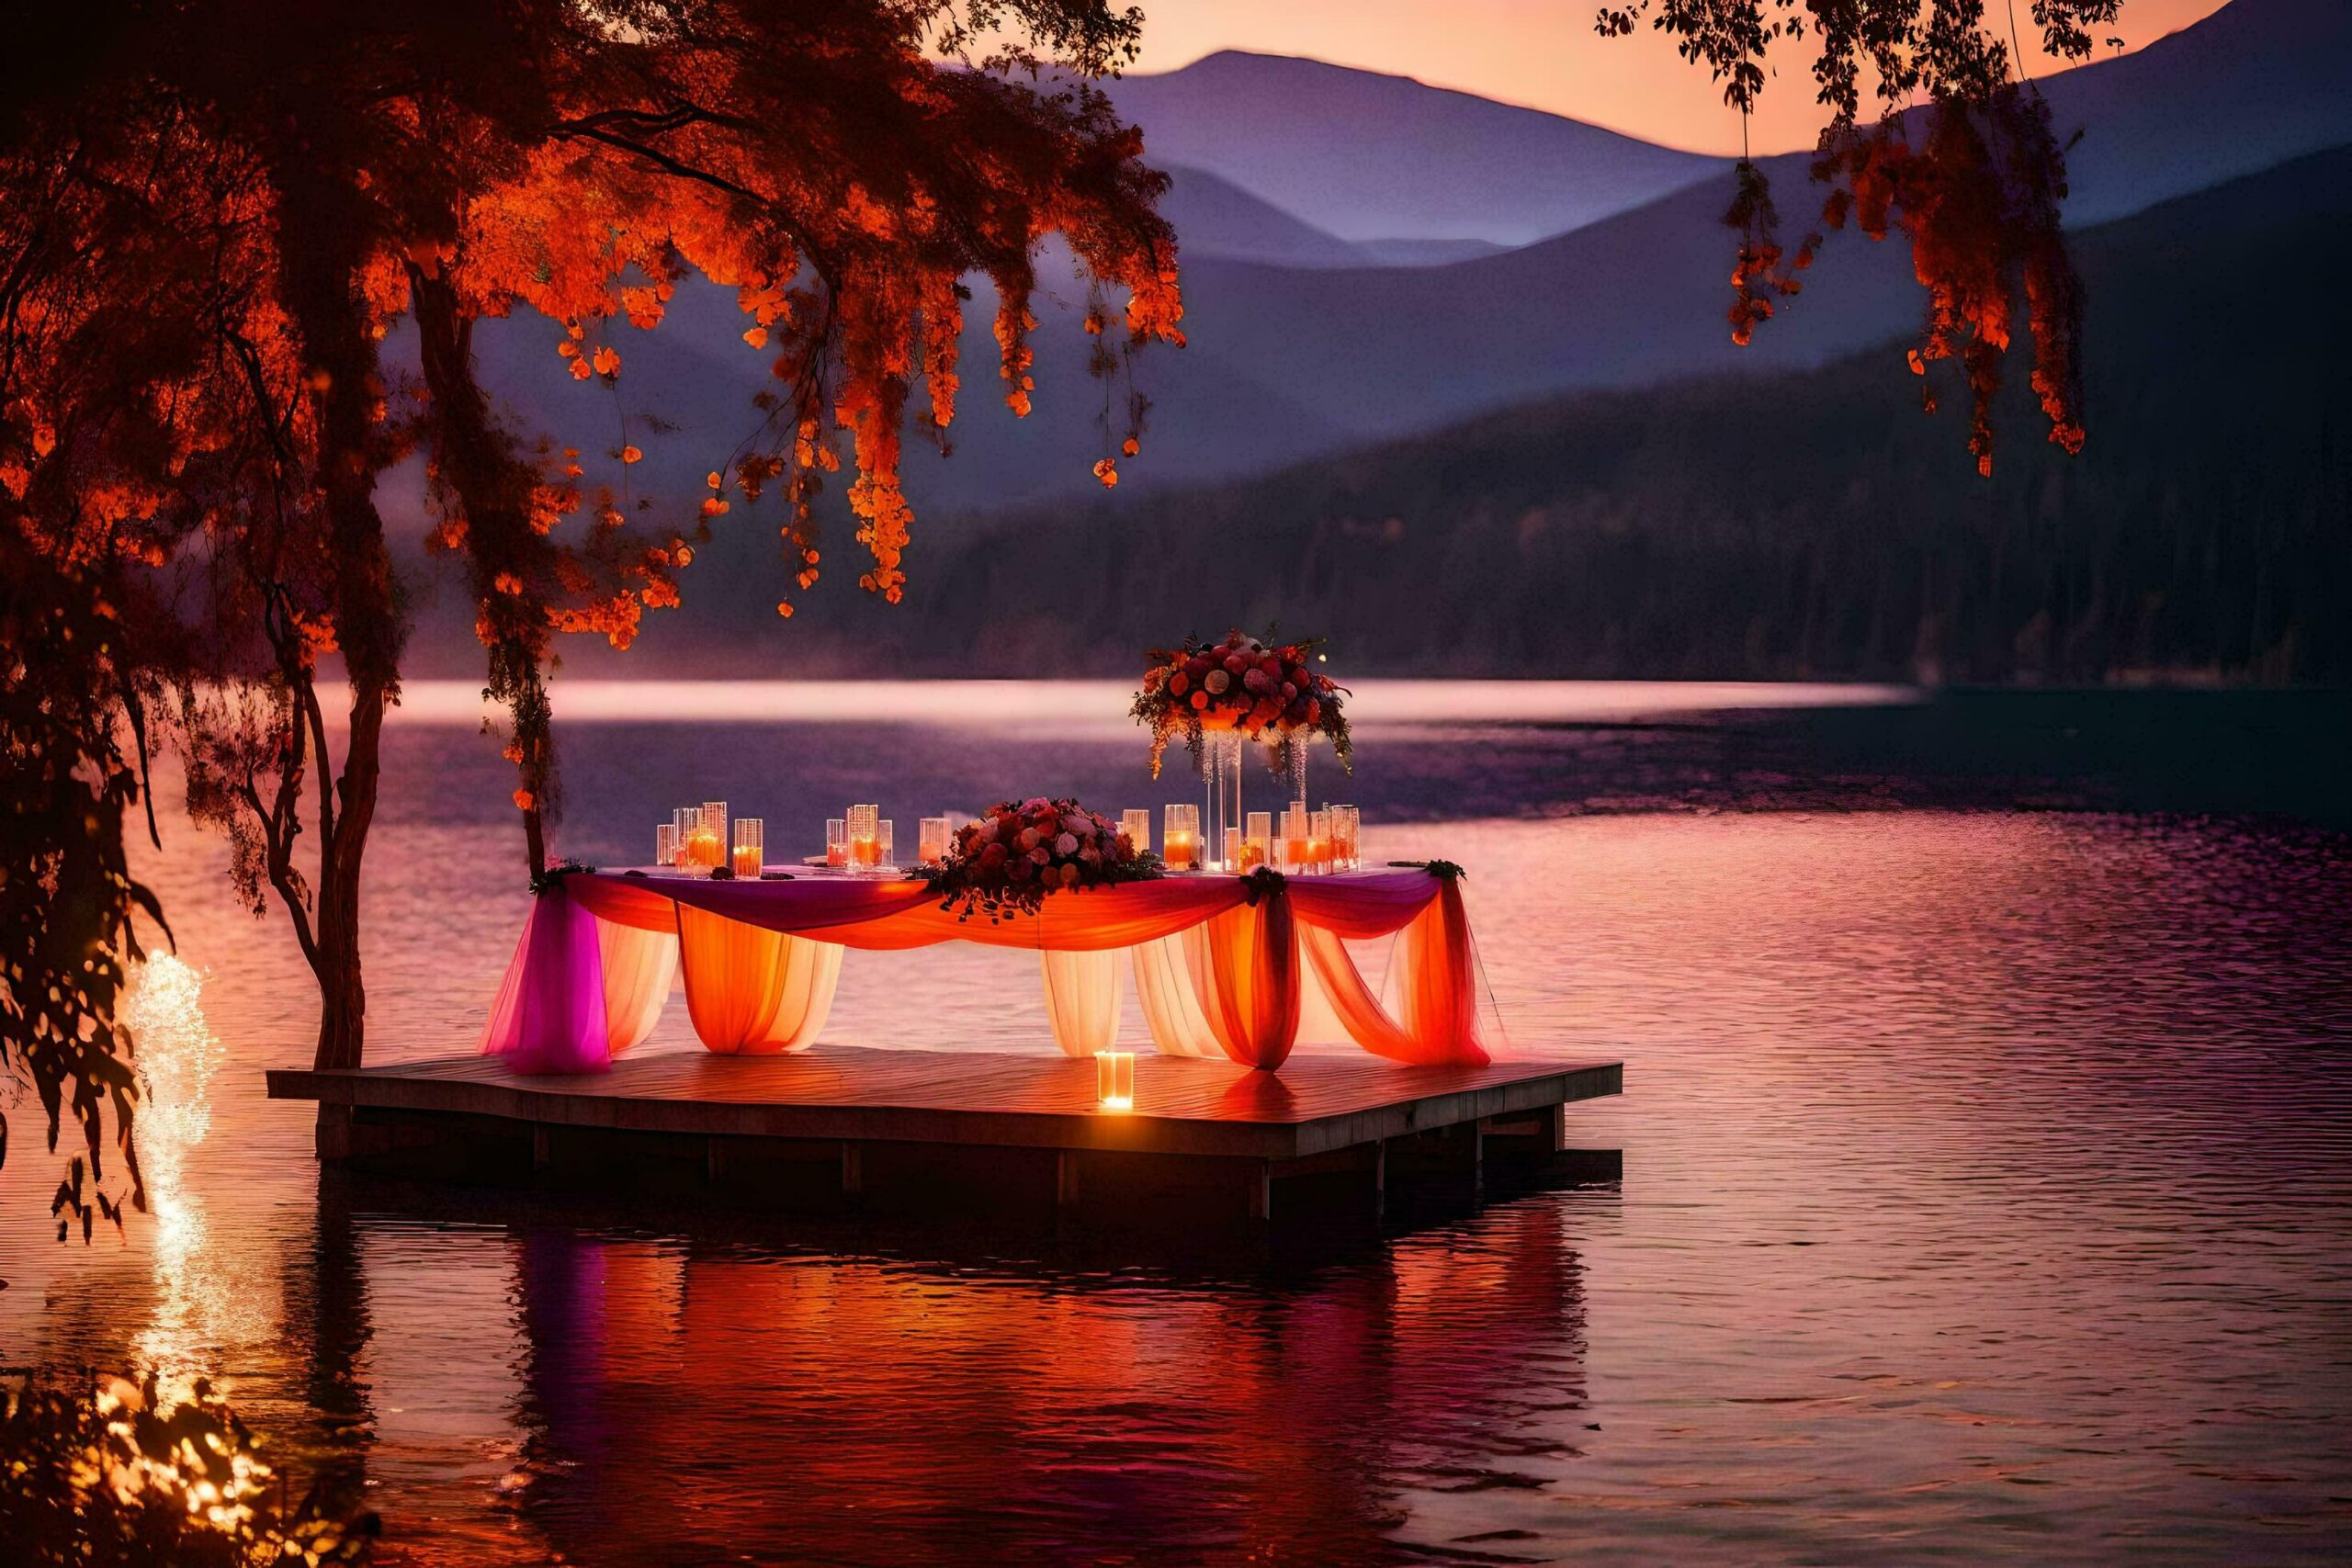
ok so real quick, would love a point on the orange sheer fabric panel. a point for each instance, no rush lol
(1170, 1012)
(1083, 1001)
(1440, 987)
(751, 991)
(1244, 965)
(639, 968)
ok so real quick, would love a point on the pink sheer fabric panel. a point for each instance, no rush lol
(1439, 985)
(549, 1013)
(641, 967)
(1170, 1012)
(1083, 1001)
(751, 991)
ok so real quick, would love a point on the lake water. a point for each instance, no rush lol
(1988, 1182)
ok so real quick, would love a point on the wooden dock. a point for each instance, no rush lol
(904, 1123)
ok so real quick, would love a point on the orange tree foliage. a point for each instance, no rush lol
(213, 213)
(1973, 177)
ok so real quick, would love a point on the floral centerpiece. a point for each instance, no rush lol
(1005, 863)
(1256, 687)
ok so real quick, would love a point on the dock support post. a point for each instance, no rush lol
(1066, 1180)
(1379, 1179)
(714, 1159)
(542, 1153)
(853, 1171)
(1262, 1191)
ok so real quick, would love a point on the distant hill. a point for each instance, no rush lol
(1808, 524)
(1213, 216)
(1217, 221)
(1368, 156)
(1304, 359)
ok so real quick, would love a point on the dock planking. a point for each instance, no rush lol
(1313, 1106)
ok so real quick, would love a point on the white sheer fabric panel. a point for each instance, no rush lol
(1083, 999)
(812, 970)
(1171, 1012)
(639, 968)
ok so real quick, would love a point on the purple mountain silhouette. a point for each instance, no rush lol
(1370, 157)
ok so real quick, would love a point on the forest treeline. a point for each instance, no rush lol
(1810, 524)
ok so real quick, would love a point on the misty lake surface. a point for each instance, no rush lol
(1987, 1183)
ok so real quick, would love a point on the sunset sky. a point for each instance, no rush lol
(1542, 53)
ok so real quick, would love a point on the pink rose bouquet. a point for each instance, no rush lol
(1007, 861)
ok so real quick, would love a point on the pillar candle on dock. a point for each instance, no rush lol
(865, 828)
(1319, 840)
(714, 816)
(1114, 1079)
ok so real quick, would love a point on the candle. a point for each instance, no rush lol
(1137, 826)
(1237, 851)
(864, 836)
(1114, 1079)
(1259, 842)
(748, 855)
(836, 842)
(932, 835)
(1182, 847)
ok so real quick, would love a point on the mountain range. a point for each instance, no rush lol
(1367, 259)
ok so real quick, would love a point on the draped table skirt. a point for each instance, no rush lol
(1223, 965)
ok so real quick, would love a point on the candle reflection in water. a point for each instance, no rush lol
(196, 1310)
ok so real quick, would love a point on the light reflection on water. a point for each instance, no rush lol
(1986, 1191)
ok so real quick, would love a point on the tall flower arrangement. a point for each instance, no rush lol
(1260, 688)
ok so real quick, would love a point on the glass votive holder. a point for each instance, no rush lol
(836, 842)
(1181, 844)
(665, 845)
(885, 855)
(748, 855)
(864, 827)
(1136, 824)
(933, 836)
(1346, 832)
(1257, 843)
(1319, 840)
(1114, 1079)
(714, 816)
(1237, 851)
(1290, 850)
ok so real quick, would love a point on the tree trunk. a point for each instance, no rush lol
(325, 227)
(510, 562)
(342, 992)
